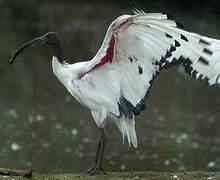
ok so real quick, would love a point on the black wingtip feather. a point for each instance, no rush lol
(207, 51)
(177, 44)
(202, 41)
(179, 25)
(194, 74)
(172, 49)
(203, 60)
(184, 38)
(168, 54)
(168, 35)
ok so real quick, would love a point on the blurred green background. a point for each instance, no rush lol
(42, 127)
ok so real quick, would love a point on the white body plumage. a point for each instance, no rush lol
(116, 82)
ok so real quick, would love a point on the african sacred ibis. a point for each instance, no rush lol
(116, 82)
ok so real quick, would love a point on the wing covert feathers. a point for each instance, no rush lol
(146, 43)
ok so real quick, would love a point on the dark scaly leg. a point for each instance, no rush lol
(97, 168)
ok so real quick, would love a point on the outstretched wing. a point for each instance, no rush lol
(154, 43)
(137, 48)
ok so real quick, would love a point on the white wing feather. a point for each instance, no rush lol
(145, 43)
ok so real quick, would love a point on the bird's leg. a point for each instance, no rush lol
(98, 164)
(97, 168)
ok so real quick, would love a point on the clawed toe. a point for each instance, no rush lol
(88, 171)
(96, 171)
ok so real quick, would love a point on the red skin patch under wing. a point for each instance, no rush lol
(107, 58)
(110, 51)
(109, 54)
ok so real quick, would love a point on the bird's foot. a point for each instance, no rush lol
(96, 171)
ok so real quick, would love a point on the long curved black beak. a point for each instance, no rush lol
(30, 44)
(51, 39)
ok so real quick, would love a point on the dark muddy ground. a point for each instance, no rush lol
(126, 175)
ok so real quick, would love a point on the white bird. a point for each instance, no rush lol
(116, 82)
